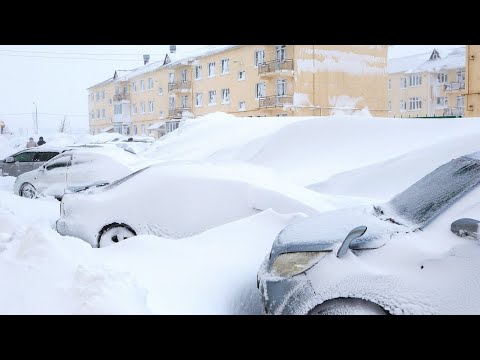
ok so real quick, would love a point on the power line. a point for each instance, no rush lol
(67, 58)
(53, 114)
(72, 53)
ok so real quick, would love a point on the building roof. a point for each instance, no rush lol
(168, 60)
(454, 59)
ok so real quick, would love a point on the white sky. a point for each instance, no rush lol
(31, 73)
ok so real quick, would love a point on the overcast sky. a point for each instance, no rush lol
(56, 78)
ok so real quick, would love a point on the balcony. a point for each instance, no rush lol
(177, 113)
(275, 101)
(454, 86)
(180, 85)
(120, 97)
(275, 66)
(454, 111)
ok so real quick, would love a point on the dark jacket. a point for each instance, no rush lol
(41, 142)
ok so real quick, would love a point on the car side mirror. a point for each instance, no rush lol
(465, 227)
(10, 160)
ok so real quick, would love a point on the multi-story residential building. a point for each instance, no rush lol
(427, 84)
(472, 101)
(251, 80)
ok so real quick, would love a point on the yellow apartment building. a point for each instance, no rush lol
(245, 80)
(472, 101)
(427, 85)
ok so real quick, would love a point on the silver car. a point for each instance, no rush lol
(375, 260)
(27, 160)
(71, 171)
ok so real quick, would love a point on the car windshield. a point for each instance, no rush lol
(119, 181)
(434, 193)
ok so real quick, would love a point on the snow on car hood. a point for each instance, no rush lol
(327, 231)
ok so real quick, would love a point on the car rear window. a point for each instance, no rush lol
(25, 156)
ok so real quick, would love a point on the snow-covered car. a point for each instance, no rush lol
(418, 253)
(70, 171)
(174, 200)
(27, 160)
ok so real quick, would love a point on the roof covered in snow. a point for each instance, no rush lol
(453, 59)
(199, 53)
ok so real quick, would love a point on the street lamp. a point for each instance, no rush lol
(35, 120)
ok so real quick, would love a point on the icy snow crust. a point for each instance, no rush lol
(226, 188)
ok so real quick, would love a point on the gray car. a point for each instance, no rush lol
(27, 160)
(374, 260)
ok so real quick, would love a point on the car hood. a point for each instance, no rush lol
(325, 232)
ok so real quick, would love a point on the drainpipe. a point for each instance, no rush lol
(313, 78)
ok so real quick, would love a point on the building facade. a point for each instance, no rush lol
(472, 102)
(245, 80)
(427, 85)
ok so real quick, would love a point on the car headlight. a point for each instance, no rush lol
(290, 264)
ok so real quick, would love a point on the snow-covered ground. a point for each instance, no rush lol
(318, 164)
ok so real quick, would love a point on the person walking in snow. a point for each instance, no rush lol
(31, 143)
(2, 126)
(41, 141)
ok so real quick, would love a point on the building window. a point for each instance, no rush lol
(460, 101)
(162, 114)
(184, 75)
(172, 126)
(97, 96)
(389, 84)
(415, 103)
(117, 109)
(171, 102)
(389, 106)
(171, 78)
(103, 94)
(212, 97)
(150, 84)
(225, 67)
(103, 114)
(98, 114)
(184, 101)
(403, 105)
(259, 57)
(442, 78)
(142, 108)
(241, 106)
(225, 96)
(281, 53)
(125, 90)
(142, 85)
(143, 130)
(403, 83)
(415, 80)
(260, 90)
(92, 115)
(198, 99)
(241, 75)
(442, 102)
(211, 69)
(198, 72)
(461, 75)
(135, 130)
(281, 87)
(151, 106)
(160, 91)
(134, 109)
(134, 86)
(117, 90)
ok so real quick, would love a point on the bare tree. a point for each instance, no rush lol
(64, 125)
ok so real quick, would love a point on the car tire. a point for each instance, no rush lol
(28, 191)
(114, 233)
(347, 306)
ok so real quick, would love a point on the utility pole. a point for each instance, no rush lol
(35, 120)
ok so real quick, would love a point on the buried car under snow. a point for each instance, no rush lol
(416, 254)
(71, 171)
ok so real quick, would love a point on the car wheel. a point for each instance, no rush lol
(114, 233)
(347, 306)
(27, 190)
